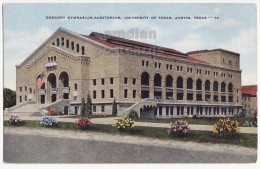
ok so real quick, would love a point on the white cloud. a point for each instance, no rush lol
(245, 43)
(189, 43)
(17, 47)
(229, 22)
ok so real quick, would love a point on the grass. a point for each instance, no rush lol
(246, 140)
(92, 117)
(200, 121)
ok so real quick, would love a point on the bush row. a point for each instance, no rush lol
(222, 128)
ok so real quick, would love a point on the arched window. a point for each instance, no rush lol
(199, 85)
(53, 43)
(230, 87)
(169, 81)
(72, 45)
(77, 47)
(75, 86)
(145, 79)
(62, 41)
(82, 50)
(54, 58)
(223, 87)
(58, 42)
(180, 82)
(215, 86)
(207, 85)
(157, 80)
(189, 83)
(67, 43)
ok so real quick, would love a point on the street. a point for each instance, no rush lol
(76, 147)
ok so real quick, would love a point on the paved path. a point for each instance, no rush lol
(27, 145)
(112, 120)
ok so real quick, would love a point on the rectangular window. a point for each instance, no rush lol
(147, 63)
(94, 94)
(143, 62)
(178, 68)
(181, 68)
(25, 98)
(167, 66)
(125, 80)
(134, 94)
(223, 98)
(199, 97)
(125, 93)
(170, 67)
(20, 89)
(103, 94)
(25, 88)
(102, 81)
(159, 65)
(215, 98)
(134, 81)
(189, 96)
(20, 99)
(179, 96)
(94, 109)
(111, 93)
(102, 108)
(94, 82)
(111, 80)
(155, 65)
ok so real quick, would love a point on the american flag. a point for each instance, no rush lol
(41, 80)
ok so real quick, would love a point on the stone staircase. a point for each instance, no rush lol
(25, 107)
(58, 105)
(138, 105)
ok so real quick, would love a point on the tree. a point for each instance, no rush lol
(89, 105)
(114, 110)
(9, 98)
(83, 108)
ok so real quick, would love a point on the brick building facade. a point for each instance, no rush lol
(153, 80)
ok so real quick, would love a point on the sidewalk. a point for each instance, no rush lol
(112, 120)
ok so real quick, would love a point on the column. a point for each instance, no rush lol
(174, 111)
(163, 89)
(151, 83)
(185, 111)
(163, 111)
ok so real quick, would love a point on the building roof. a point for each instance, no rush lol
(251, 90)
(206, 51)
(139, 47)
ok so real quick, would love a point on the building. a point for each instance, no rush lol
(249, 99)
(153, 80)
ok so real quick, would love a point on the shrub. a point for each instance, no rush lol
(48, 121)
(103, 115)
(52, 112)
(179, 128)
(124, 124)
(226, 128)
(15, 120)
(83, 123)
(133, 114)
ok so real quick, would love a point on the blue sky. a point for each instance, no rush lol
(26, 27)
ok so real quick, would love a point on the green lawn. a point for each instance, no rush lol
(92, 117)
(201, 121)
(247, 140)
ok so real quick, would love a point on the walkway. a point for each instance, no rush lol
(112, 120)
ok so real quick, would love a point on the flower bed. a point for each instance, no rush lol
(83, 123)
(15, 120)
(52, 112)
(226, 128)
(124, 124)
(179, 128)
(48, 121)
